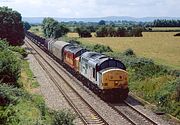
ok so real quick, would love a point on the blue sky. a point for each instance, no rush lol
(94, 8)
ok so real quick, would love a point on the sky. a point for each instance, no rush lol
(94, 8)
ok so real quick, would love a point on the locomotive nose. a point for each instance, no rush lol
(114, 78)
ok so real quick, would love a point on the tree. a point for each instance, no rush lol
(121, 32)
(102, 22)
(137, 31)
(27, 26)
(11, 26)
(53, 28)
(83, 32)
(111, 31)
(102, 32)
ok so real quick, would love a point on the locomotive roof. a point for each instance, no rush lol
(61, 43)
(94, 57)
(73, 48)
(97, 59)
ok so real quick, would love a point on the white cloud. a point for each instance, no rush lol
(94, 8)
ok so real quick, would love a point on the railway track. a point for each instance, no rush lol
(131, 114)
(82, 108)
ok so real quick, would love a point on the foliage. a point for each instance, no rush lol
(63, 118)
(101, 48)
(10, 63)
(11, 26)
(20, 50)
(3, 45)
(129, 52)
(102, 22)
(121, 32)
(10, 66)
(98, 48)
(83, 32)
(178, 34)
(53, 28)
(102, 32)
(10, 94)
(19, 107)
(110, 31)
(166, 23)
(27, 26)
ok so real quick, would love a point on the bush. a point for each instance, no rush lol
(3, 45)
(10, 94)
(10, 66)
(178, 34)
(20, 50)
(129, 52)
(168, 97)
(101, 48)
(63, 118)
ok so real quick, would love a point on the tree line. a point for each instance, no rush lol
(166, 23)
(110, 31)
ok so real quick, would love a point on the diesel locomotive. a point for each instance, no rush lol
(104, 75)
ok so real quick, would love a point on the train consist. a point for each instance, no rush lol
(104, 75)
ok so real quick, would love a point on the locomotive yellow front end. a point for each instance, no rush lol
(114, 84)
(114, 78)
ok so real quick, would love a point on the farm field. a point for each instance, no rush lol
(162, 47)
(166, 28)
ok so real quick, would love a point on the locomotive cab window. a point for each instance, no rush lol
(94, 73)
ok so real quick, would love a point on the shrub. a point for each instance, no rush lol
(129, 52)
(178, 34)
(20, 50)
(3, 45)
(10, 94)
(168, 97)
(10, 66)
(63, 118)
(101, 48)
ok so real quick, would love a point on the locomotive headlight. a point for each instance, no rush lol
(116, 83)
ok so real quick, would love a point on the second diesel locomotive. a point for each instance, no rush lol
(104, 75)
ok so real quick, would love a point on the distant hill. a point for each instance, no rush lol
(37, 20)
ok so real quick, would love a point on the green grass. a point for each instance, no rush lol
(27, 78)
(160, 91)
